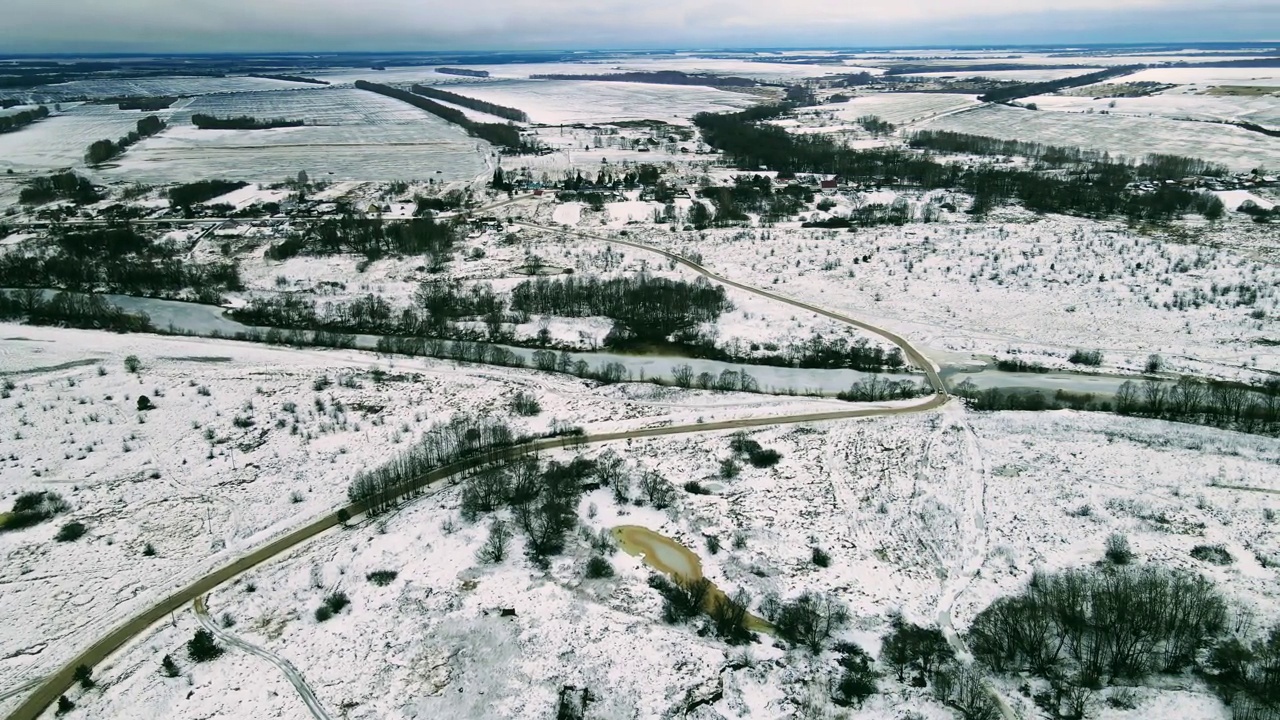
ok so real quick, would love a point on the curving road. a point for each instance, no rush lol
(55, 684)
(295, 678)
(916, 357)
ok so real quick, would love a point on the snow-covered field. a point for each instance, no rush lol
(1039, 286)
(580, 101)
(148, 87)
(1205, 77)
(356, 135)
(897, 108)
(928, 516)
(1175, 104)
(209, 473)
(61, 140)
(1036, 75)
(1234, 147)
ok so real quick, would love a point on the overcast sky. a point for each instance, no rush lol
(318, 25)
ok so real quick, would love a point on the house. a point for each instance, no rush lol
(830, 184)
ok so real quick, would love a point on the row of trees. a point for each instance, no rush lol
(69, 309)
(291, 78)
(644, 308)
(494, 109)
(103, 150)
(464, 72)
(502, 135)
(19, 120)
(188, 194)
(242, 122)
(1098, 190)
(462, 438)
(1050, 86)
(1153, 167)
(1220, 403)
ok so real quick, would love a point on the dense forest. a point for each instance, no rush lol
(645, 309)
(1153, 167)
(184, 196)
(291, 78)
(659, 77)
(1050, 86)
(19, 120)
(60, 186)
(1098, 190)
(243, 122)
(470, 102)
(502, 135)
(371, 237)
(1116, 624)
(464, 72)
(104, 150)
(118, 259)
(69, 309)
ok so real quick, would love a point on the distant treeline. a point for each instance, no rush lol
(19, 120)
(116, 258)
(1099, 190)
(1049, 86)
(242, 122)
(69, 309)
(60, 186)
(1154, 167)
(659, 77)
(146, 104)
(463, 72)
(103, 150)
(917, 68)
(469, 102)
(291, 78)
(507, 136)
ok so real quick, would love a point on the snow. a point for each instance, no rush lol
(1034, 75)
(1132, 137)
(61, 139)
(554, 102)
(1261, 110)
(147, 87)
(1210, 76)
(897, 108)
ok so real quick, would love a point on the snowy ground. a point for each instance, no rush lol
(554, 102)
(1132, 137)
(1039, 286)
(209, 473)
(900, 504)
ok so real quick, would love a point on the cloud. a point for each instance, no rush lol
(248, 25)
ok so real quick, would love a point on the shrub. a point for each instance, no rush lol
(525, 404)
(729, 468)
(809, 619)
(71, 532)
(382, 578)
(1091, 358)
(1118, 552)
(148, 550)
(84, 676)
(598, 567)
(132, 364)
(1216, 554)
(336, 600)
(144, 403)
(32, 508)
(713, 544)
(323, 613)
(821, 558)
(696, 488)
(203, 648)
(65, 705)
(764, 458)
(168, 666)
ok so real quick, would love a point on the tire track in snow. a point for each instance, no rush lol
(290, 672)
